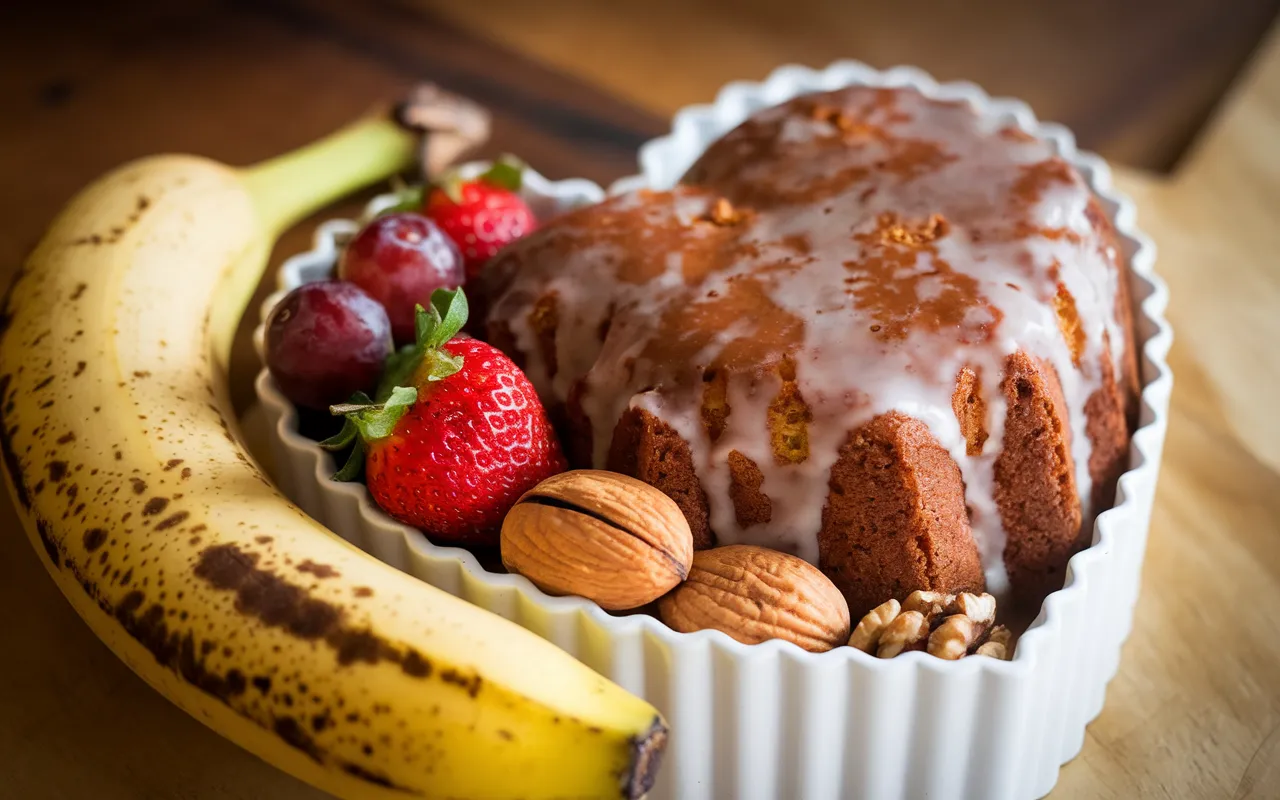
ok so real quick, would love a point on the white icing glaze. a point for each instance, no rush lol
(817, 245)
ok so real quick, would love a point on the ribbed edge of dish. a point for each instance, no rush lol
(771, 720)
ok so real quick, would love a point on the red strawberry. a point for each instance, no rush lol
(482, 215)
(459, 435)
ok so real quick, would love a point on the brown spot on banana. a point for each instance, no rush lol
(12, 465)
(281, 604)
(170, 521)
(93, 538)
(287, 728)
(357, 771)
(312, 568)
(51, 547)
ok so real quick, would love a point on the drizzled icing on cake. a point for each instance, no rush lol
(836, 258)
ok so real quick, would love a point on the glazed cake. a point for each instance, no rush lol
(869, 328)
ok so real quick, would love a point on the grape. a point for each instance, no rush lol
(325, 341)
(400, 259)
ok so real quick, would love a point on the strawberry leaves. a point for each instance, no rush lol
(433, 326)
(349, 436)
(423, 362)
(365, 421)
(505, 173)
(377, 420)
(442, 322)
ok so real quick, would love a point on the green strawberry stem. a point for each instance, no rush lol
(423, 362)
(343, 409)
(505, 173)
(291, 186)
(377, 420)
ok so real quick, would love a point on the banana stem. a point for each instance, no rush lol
(291, 186)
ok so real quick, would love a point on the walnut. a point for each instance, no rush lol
(952, 638)
(931, 604)
(949, 626)
(980, 608)
(907, 631)
(997, 644)
(866, 637)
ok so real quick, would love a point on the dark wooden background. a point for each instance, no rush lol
(575, 85)
(1133, 78)
(85, 86)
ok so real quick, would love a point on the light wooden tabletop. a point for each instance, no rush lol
(1195, 708)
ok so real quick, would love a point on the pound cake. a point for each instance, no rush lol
(872, 329)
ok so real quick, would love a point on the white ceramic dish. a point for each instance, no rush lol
(769, 720)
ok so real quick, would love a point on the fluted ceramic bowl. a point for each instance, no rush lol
(771, 720)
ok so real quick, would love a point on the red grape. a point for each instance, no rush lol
(325, 341)
(400, 259)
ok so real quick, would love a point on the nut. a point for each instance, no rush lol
(866, 637)
(981, 608)
(952, 638)
(969, 618)
(906, 632)
(754, 594)
(997, 644)
(949, 626)
(601, 535)
(930, 604)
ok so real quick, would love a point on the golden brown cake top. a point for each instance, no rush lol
(870, 243)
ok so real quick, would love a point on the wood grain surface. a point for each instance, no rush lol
(1133, 79)
(1195, 709)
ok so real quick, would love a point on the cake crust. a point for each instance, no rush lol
(1035, 481)
(647, 448)
(895, 518)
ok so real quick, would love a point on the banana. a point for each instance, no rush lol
(121, 453)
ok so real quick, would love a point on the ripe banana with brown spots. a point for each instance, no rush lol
(120, 450)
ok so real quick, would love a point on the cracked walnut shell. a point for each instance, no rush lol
(754, 594)
(600, 535)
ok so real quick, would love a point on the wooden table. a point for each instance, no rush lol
(1195, 710)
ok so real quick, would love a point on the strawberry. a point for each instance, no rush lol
(482, 215)
(458, 435)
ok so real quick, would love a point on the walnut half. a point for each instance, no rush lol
(949, 626)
